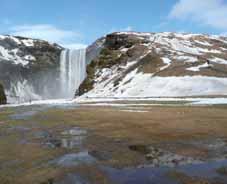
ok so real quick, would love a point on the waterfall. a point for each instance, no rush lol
(50, 84)
(72, 71)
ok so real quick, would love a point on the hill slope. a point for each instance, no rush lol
(133, 64)
(28, 67)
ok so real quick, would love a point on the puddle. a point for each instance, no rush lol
(138, 176)
(161, 175)
(100, 155)
(23, 115)
(72, 179)
(26, 112)
(74, 159)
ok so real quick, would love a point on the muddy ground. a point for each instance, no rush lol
(107, 145)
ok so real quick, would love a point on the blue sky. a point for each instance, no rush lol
(76, 22)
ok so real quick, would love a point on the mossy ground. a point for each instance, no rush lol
(110, 133)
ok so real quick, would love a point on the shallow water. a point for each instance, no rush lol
(151, 175)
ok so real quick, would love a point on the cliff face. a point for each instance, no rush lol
(132, 64)
(28, 67)
(2, 95)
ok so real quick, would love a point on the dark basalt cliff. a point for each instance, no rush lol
(2, 95)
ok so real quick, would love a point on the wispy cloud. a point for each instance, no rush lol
(49, 33)
(211, 13)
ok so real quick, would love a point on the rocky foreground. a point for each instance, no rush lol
(113, 145)
(131, 64)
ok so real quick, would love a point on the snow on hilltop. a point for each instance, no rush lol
(16, 49)
(133, 64)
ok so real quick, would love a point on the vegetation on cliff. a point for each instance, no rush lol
(107, 58)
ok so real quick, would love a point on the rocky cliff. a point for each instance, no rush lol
(132, 64)
(2, 95)
(28, 68)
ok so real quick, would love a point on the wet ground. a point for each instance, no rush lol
(116, 145)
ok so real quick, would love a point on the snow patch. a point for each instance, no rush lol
(11, 55)
(203, 43)
(197, 68)
(166, 61)
(145, 85)
(28, 42)
(219, 61)
(30, 58)
(188, 59)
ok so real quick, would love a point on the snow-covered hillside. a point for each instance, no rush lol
(28, 67)
(10, 50)
(135, 64)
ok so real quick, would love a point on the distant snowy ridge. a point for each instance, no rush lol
(134, 64)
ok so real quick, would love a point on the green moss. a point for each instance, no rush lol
(107, 58)
(150, 63)
(2, 95)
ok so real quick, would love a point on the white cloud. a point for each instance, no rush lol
(207, 12)
(49, 33)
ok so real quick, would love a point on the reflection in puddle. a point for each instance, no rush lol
(72, 142)
(72, 138)
(76, 131)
